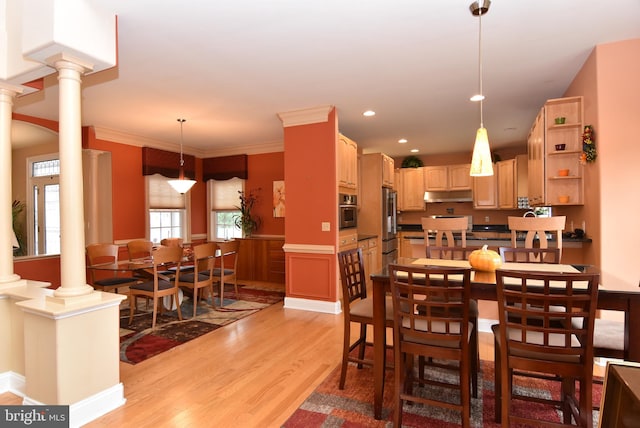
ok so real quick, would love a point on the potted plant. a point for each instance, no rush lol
(247, 222)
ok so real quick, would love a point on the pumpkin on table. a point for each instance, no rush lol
(485, 259)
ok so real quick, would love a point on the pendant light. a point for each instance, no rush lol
(481, 164)
(182, 185)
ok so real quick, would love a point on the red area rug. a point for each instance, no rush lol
(353, 406)
(138, 341)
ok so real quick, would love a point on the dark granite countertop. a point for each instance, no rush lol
(504, 234)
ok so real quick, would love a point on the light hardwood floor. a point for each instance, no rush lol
(253, 373)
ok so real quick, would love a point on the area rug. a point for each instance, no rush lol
(138, 341)
(352, 407)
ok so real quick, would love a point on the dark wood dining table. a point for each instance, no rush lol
(483, 287)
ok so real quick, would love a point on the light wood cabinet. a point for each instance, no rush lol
(348, 239)
(459, 178)
(347, 162)
(535, 158)
(369, 249)
(512, 182)
(447, 178)
(411, 189)
(485, 192)
(404, 245)
(388, 171)
(568, 134)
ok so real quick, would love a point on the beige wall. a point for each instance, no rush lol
(609, 82)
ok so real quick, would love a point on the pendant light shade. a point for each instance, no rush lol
(182, 185)
(481, 164)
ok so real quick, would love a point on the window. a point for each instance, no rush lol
(168, 210)
(223, 198)
(43, 205)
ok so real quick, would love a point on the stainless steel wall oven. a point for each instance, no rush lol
(348, 211)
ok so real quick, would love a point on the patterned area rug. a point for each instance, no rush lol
(352, 407)
(138, 341)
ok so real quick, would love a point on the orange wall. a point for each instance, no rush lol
(45, 269)
(264, 169)
(609, 81)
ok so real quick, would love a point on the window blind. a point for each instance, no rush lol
(161, 195)
(224, 194)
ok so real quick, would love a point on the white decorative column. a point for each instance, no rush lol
(7, 94)
(72, 243)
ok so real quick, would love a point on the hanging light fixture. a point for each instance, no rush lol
(182, 185)
(481, 164)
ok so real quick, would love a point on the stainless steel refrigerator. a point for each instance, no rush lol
(389, 226)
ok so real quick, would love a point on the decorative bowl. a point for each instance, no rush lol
(563, 172)
(563, 199)
(560, 147)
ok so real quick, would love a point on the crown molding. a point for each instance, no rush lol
(305, 116)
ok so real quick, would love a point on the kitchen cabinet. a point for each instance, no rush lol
(411, 189)
(555, 172)
(388, 171)
(568, 134)
(404, 245)
(512, 181)
(369, 249)
(447, 178)
(485, 192)
(347, 162)
(261, 259)
(348, 239)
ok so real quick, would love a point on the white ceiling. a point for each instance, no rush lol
(229, 67)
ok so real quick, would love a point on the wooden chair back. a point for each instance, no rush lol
(450, 253)
(201, 276)
(530, 255)
(537, 226)
(444, 228)
(102, 253)
(171, 242)
(352, 277)
(533, 348)
(139, 249)
(106, 281)
(431, 320)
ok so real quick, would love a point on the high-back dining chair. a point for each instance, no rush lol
(537, 227)
(139, 249)
(106, 253)
(357, 308)
(529, 255)
(440, 329)
(526, 347)
(444, 228)
(462, 253)
(227, 270)
(160, 286)
(201, 277)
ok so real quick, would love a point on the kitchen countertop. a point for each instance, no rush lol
(482, 233)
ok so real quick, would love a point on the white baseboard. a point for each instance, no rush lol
(12, 382)
(313, 305)
(91, 408)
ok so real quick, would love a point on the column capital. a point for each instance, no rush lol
(9, 89)
(65, 61)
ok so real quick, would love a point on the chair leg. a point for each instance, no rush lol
(156, 302)
(475, 359)
(399, 380)
(235, 284)
(497, 384)
(345, 354)
(363, 343)
(132, 304)
(176, 298)
(196, 291)
(221, 293)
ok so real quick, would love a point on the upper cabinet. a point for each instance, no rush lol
(554, 147)
(512, 182)
(388, 172)
(410, 185)
(347, 162)
(447, 177)
(485, 192)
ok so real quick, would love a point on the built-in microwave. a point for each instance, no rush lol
(348, 211)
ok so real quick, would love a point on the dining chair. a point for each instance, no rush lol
(544, 350)
(171, 242)
(444, 228)
(441, 330)
(357, 308)
(461, 253)
(139, 249)
(529, 255)
(228, 268)
(160, 286)
(537, 227)
(106, 253)
(201, 277)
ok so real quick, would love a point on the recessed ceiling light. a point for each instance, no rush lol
(414, 150)
(402, 140)
(369, 113)
(477, 97)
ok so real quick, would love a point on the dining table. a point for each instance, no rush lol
(483, 287)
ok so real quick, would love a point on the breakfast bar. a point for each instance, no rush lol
(483, 288)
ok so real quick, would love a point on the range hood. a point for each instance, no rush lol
(451, 196)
